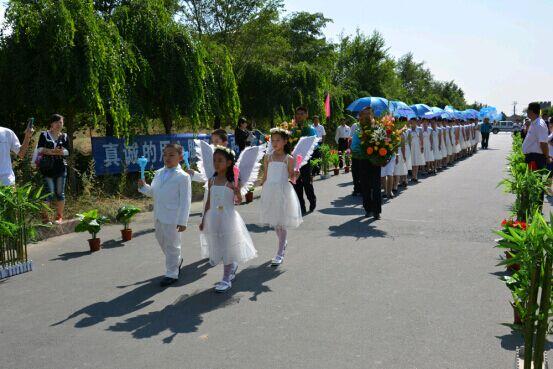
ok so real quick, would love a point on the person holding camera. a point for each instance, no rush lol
(53, 148)
(10, 143)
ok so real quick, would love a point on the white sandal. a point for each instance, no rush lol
(223, 286)
(277, 260)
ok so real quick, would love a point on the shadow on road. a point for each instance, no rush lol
(186, 314)
(71, 255)
(345, 184)
(356, 228)
(255, 228)
(133, 300)
(511, 341)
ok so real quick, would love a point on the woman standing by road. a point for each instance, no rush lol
(53, 146)
(241, 134)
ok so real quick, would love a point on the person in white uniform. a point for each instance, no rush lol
(10, 143)
(417, 150)
(172, 192)
(428, 148)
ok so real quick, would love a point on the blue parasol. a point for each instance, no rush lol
(421, 109)
(379, 105)
(399, 109)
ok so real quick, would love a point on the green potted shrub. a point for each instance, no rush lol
(347, 161)
(324, 161)
(125, 214)
(335, 160)
(91, 222)
(249, 194)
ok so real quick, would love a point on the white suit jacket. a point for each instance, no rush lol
(171, 198)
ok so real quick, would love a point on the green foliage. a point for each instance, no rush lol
(90, 222)
(126, 213)
(61, 56)
(527, 185)
(335, 159)
(170, 75)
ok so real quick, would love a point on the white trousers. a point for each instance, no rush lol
(169, 240)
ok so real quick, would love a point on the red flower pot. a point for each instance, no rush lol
(249, 197)
(346, 169)
(94, 244)
(126, 234)
(336, 171)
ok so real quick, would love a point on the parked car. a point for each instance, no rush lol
(506, 126)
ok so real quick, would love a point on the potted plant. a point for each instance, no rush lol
(324, 161)
(124, 217)
(335, 160)
(347, 160)
(249, 194)
(92, 223)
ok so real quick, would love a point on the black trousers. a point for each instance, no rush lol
(369, 175)
(355, 175)
(305, 183)
(485, 140)
(342, 146)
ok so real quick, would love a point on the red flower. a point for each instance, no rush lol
(504, 223)
(388, 132)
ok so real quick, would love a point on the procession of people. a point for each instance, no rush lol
(426, 146)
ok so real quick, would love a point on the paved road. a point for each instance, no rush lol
(417, 289)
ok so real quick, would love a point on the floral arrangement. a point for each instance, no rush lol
(379, 141)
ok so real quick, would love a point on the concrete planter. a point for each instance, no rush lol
(519, 359)
(19, 268)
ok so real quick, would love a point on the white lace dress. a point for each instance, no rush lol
(279, 203)
(225, 237)
(428, 152)
(417, 158)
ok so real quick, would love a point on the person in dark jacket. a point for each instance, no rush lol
(241, 134)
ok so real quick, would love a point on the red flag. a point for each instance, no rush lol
(327, 105)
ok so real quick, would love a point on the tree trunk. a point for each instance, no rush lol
(217, 122)
(110, 125)
(167, 122)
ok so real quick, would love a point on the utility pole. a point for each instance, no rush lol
(515, 107)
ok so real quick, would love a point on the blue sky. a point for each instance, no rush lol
(498, 51)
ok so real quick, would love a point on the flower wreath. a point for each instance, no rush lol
(280, 130)
(227, 150)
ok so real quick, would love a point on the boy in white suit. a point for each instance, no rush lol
(172, 192)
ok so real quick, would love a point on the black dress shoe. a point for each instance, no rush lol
(376, 216)
(312, 207)
(166, 281)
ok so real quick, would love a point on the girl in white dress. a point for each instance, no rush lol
(436, 147)
(478, 134)
(224, 236)
(417, 147)
(442, 128)
(400, 170)
(428, 146)
(280, 207)
(457, 144)
(448, 146)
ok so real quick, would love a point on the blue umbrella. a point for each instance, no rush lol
(434, 112)
(420, 109)
(399, 109)
(379, 105)
(489, 112)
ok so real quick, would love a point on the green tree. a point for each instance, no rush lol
(416, 80)
(170, 82)
(61, 56)
(364, 67)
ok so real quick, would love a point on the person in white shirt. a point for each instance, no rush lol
(343, 137)
(535, 146)
(172, 192)
(10, 143)
(321, 132)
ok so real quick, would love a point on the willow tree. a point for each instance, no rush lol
(170, 81)
(221, 92)
(271, 93)
(61, 56)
